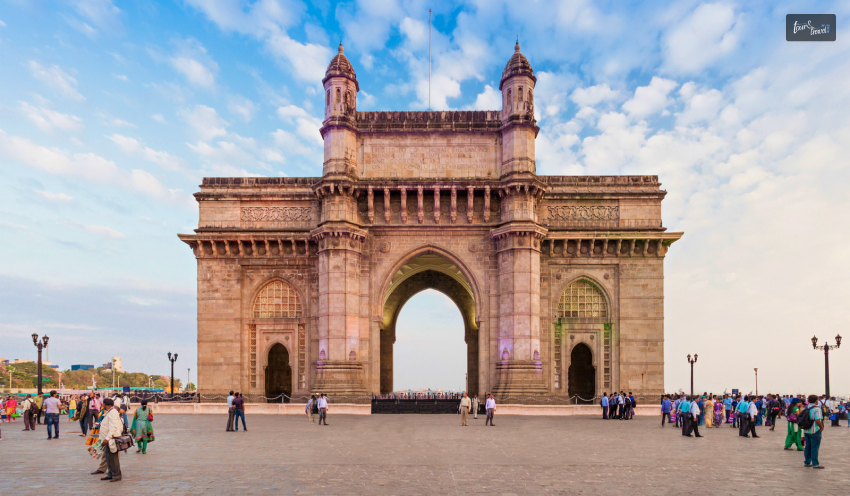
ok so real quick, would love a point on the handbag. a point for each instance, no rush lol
(125, 440)
(150, 415)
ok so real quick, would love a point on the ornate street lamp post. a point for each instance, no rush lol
(826, 347)
(692, 362)
(172, 360)
(40, 345)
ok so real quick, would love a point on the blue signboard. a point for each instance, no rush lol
(126, 389)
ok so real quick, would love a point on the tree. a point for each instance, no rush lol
(190, 387)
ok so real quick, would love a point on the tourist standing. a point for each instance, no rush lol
(82, 415)
(835, 412)
(708, 412)
(323, 409)
(794, 434)
(309, 409)
(27, 406)
(239, 411)
(39, 402)
(727, 407)
(11, 408)
(463, 408)
(666, 408)
(230, 413)
(813, 434)
(741, 415)
(490, 406)
(694, 413)
(752, 418)
(110, 428)
(93, 409)
(604, 403)
(51, 414)
(476, 404)
(142, 427)
(72, 408)
(718, 412)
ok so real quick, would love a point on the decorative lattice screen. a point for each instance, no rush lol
(277, 300)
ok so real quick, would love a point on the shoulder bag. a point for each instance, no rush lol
(125, 440)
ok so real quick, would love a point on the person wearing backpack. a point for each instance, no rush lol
(811, 422)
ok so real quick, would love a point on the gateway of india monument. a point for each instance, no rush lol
(559, 279)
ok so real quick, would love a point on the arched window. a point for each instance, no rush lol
(582, 299)
(277, 300)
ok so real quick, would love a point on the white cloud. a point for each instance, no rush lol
(489, 99)
(104, 232)
(88, 166)
(49, 120)
(122, 77)
(307, 126)
(594, 95)
(650, 99)
(132, 146)
(194, 63)
(242, 107)
(2, 24)
(699, 106)
(268, 21)
(709, 33)
(102, 13)
(204, 121)
(56, 78)
(158, 118)
(55, 197)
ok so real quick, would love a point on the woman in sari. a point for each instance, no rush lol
(11, 409)
(795, 434)
(141, 429)
(718, 412)
(709, 412)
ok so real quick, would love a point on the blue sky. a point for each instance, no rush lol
(112, 112)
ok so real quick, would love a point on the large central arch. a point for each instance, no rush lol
(427, 269)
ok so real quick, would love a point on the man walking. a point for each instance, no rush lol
(490, 406)
(693, 423)
(684, 413)
(230, 413)
(752, 417)
(39, 402)
(476, 404)
(110, 428)
(742, 411)
(51, 416)
(773, 410)
(727, 406)
(604, 404)
(323, 409)
(666, 408)
(239, 411)
(463, 408)
(813, 434)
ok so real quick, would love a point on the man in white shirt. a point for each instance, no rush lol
(111, 427)
(752, 413)
(475, 404)
(693, 424)
(463, 408)
(323, 409)
(51, 417)
(29, 421)
(490, 406)
(230, 412)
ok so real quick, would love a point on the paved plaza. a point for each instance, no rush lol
(427, 454)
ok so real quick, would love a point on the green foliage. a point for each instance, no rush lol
(190, 387)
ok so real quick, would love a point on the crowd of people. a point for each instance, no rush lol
(102, 420)
(619, 406)
(805, 416)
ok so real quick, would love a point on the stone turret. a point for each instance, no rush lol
(518, 124)
(338, 128)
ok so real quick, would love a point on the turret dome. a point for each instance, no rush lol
(516, 66)
(340, 66)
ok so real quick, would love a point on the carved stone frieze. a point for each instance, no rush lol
(567, 212)
(271, 214)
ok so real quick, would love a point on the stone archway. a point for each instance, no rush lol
(278, 375)
(428, 271)
(582, 373)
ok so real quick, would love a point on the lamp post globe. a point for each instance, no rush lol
(826, 347)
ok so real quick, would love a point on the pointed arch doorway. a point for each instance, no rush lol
(428, 271)
(278, 375)
(582, 374)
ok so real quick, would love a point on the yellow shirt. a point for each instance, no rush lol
(72, 405)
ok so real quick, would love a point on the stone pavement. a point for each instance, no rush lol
(428, 454)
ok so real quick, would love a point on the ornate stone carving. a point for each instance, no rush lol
(469, 203)
(270, 214)
(565, 212)
(384, 247)
(420, 215)
(487, 204)
(370, 195)
(454, 205)
(437, 205)
(404, 205)
(387, 211)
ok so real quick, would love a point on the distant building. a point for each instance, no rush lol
(82, 367)
(4, 361)
(115, 361)
(22, 360)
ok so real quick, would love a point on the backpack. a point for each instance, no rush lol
(804, 419)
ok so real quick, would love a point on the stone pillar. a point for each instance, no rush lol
(519, 370)
(339, 369)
